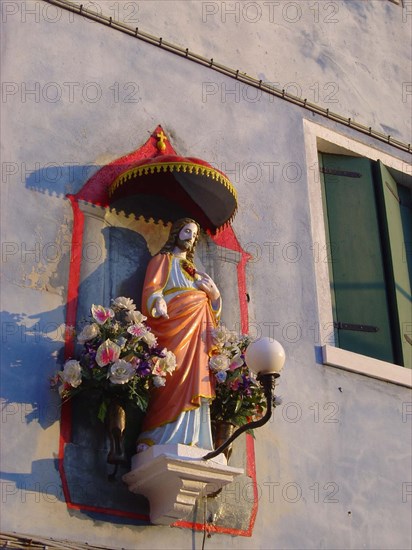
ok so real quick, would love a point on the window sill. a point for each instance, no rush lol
(368, 366)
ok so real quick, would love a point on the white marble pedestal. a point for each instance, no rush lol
(173, 477)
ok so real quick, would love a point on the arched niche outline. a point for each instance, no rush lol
(110, 251)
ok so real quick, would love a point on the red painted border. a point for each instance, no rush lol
(71, 314)
(228, 239)
(74, 275)
(94, 191)
(251, 472)
(71, 310)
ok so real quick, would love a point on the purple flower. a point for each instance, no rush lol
(159, 352)
(221, 376)
(143, 369)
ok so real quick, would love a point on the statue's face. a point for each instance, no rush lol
(187, 236)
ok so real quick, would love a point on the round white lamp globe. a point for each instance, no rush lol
(265, 356)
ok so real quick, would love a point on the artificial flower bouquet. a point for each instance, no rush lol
(239, 396)
(120, 358)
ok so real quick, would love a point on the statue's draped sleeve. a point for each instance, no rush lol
(157, 274)
(187, 333)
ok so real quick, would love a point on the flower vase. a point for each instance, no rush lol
(116, 424)
(221, 431)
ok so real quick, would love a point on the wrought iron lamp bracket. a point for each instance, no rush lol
(268, 382)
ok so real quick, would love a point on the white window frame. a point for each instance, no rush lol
(321, 139)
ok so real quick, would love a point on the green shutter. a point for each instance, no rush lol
(356, 264)
(397, 230)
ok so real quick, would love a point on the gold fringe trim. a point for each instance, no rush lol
(185, 167)
(177, 288)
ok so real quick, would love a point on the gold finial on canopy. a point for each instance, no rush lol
(161, 145)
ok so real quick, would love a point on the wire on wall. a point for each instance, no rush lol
(232, 73)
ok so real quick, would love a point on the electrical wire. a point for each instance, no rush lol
(232, 73)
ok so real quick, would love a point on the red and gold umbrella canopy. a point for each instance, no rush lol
(169, 187)
(156, 183)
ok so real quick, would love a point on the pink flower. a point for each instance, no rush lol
(236, 362)
(235, 385)
(107, 352)
(164, 365)
(157, 369)
(137, 330)
(101, 314)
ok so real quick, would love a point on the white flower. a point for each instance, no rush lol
(159, 381)
(164, 365)
(121, 341)
(219, 362)
(150, 339)
(170, 361)
(88, 333)
(135, 317)
(231, 349)
(121, 372)
(124, 303)
(244, 340)
(220, 335)
(233, 338)
(72, 373)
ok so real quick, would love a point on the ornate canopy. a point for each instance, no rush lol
(154, 182)
(169, 187)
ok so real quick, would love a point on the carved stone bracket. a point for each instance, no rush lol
(173, 477)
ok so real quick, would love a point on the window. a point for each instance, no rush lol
(321, 141)
(368, 222)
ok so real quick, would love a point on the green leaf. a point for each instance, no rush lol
(86, 374)
(241, 420)
(99, 374)
(101, 415)
(238, 405)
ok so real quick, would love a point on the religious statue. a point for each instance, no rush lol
(182, 306)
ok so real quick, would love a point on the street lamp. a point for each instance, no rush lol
(265, 357)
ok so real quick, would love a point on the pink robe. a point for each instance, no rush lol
(187, 333)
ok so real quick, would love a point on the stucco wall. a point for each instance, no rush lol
(337, 436)
(348, 56)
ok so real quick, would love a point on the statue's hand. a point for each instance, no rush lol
(160, 308)
(206, 284)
